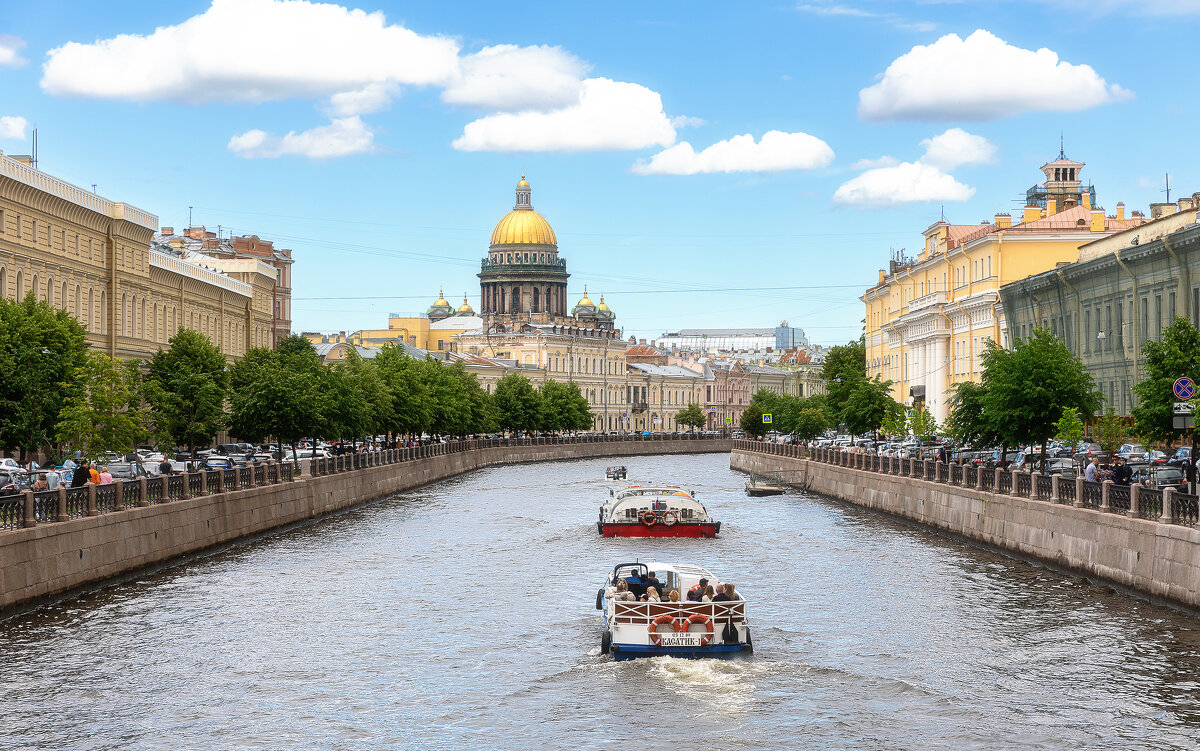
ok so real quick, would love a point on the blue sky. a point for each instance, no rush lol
(853, 126)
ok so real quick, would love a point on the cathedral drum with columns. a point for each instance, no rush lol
(523, 273)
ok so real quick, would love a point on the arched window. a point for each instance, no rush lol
(153, 321)
(124, 322)
(34, 287)
(516, 300)
(537, 302)
(62, 299)
(50, 291)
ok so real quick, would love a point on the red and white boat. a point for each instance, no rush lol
(655, 511)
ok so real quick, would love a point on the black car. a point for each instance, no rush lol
(1181, 457)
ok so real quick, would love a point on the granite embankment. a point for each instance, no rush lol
(1143, 539)
(71, 539)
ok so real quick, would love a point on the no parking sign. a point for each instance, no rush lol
(1184, 388)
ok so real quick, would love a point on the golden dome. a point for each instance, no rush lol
(523, 183)
(523, 227)
(585, 300)
(602, 305)
(441, 301)
(465, 307)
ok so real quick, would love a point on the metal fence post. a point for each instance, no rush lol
(1168, 510)
(1078, 492)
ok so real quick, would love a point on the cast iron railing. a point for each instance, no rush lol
(106, 498)
(1066, 490)
(1092, 494)
(1118, 498)
(1150, 502)
(12, 511)
(1186, 508)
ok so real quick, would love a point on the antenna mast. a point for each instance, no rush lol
(1168, 190)
(34, 158)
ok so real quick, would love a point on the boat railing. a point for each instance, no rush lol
(644, 612)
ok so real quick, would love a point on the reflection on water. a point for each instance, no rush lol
(461, 616)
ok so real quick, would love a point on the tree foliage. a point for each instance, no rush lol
(763, 402)
(279, 395)
(105, 414)
(564, 407)
(41, 351)
(185, 388)
(1069, 428)
(518, 404)
(923, 424)
(1176, 354)
(691, 416)
(969, 422)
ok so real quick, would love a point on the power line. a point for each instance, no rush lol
(622, 292)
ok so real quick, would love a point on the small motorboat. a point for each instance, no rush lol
(616, 473)
(655, 511)
(679, 629)
(756, 489)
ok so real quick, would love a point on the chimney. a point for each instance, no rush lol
(1087, 199)
(1003, 221)
(641, 341)
(1159, 210)
(1120, 211)
(882, 276)
(1032, 214)
(166, 231)
(1051, 206)
(1097, 217)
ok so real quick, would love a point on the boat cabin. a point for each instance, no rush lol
(630, 504)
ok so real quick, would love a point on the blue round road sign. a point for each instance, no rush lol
(1184, 388)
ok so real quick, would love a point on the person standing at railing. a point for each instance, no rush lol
(105, 478)
(165, 468)
(1089, 473)
(1122, 473)
(80, 475)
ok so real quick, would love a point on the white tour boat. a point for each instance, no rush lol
(679, 629)
(655, 511)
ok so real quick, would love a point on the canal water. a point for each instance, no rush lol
(461, 616)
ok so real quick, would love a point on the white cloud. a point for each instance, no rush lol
(956, 147)
(685, 121)
(907, 182)
(834, 9)
(10, 51)
(342, 137)
(981, 78)
(13, 127)
(511, 78)
(254, 51)
(883, 161)
(607, 116)
(887, 182)
(776, 151)
(371, 98)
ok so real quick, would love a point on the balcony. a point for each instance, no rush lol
(925, 301)
(639, 407)
(557, 267)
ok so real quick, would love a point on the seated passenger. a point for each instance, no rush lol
(733, 595)
(652, 581)
(636, 586)
(651, 595)
(695, 593)
(674, 595)
(708, 594)
(619, 593)
(724, 595)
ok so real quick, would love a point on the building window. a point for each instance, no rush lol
(1170, 307)
(1087, 332)
(1144, 323)
(1158, 311)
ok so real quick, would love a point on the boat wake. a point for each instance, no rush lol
(724, 685)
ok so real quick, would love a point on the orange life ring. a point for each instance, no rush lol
(670, 518)
(706, 637)
(648, 518)
(662, 620)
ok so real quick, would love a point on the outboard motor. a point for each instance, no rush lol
(729, 634)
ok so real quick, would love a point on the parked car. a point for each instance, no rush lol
(214, 462)
(1181, 456)
(127, 470)
(1085, 451)
(1161, 476)
(1063, 467)
(1133, 453)
(13, 479)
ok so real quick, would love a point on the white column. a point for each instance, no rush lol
(941, 369)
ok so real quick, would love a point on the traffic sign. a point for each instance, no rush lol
(1184, 408)
(909, 413)
(767, 418)
(1184, 388)
(728, 420)
(713, 409)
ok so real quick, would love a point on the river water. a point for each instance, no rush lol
(461, 616)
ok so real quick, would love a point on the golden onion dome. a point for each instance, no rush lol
(585, 300)
(441, 301)
(465, 307)
(602, 305)
(523, 227)
(523, 182)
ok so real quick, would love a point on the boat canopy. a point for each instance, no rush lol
(628, 504)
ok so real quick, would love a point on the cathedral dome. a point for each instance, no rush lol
(603, 305)
(523, 225)
(465, 308)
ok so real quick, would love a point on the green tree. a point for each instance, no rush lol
(968, 422)
(867, 405)
(186, 387)
(764, 402)
(1069, 428)
(41, 351)
(1029, 386)
(105, 415)
(809, 424)
(844, 370)
(347, 413)
(1110, 431)
(564, 407)
(895, 422)
(1175, 355)
(279, 395)
(411, 411)
(923, 424)
(692, 416)
(518, 403)
(366, 379)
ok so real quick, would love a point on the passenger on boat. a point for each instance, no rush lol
(708, 594)
(733, 595)
(651, 595)
(636, 585)
(652, 581)
(695, 593)
(620, 593)
(674, 595)
(724, 595)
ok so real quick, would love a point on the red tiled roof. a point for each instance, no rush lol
(642, 350)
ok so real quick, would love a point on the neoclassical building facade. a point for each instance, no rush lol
(93, 257)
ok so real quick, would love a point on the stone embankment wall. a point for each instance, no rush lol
(1157, 556)
(53, 557)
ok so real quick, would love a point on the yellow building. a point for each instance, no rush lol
(94, 258)
(927, 319)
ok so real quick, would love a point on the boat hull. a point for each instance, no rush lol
(634, 651)
(637, 529)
